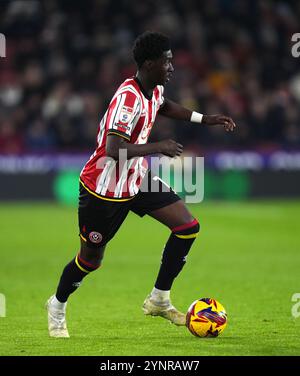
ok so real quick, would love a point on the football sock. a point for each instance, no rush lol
(72, 277)
(175, 253)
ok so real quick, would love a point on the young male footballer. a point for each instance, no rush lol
(111, 187)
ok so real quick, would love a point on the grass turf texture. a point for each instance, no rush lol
(246, 256)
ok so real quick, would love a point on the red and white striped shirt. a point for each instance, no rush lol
(130, 114)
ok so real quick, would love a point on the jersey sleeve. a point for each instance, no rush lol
(123, 114)
(161, 98)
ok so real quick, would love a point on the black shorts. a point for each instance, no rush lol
(99, 219)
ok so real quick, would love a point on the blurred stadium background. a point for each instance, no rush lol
(64, 61)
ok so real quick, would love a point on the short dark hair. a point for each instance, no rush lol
(149, 45)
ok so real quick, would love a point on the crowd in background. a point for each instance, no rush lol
(65, 59)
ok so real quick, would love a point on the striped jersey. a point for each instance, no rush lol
(131, 115)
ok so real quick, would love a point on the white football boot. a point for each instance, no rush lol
(164, 309)
(57, 325)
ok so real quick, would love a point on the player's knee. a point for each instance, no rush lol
(188, 230)
(85, 265)
(92, 257)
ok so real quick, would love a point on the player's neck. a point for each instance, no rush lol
(146, 84)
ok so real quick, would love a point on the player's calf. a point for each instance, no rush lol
(175, 253)
(83, 264)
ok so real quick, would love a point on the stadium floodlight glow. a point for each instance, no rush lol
(2, 45)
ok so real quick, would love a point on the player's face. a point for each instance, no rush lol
(163, 68)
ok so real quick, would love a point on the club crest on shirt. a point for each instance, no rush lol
(95, 237)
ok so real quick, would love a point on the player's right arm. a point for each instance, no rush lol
(115, 143)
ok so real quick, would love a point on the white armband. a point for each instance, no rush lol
(196, 117)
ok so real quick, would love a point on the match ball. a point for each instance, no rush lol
(206, 317)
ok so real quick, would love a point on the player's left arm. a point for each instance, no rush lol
(176, 111)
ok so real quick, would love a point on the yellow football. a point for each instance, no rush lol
(206, 317)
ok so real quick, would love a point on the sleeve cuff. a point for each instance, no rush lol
(118, 133)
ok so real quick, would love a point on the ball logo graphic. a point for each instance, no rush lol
(95, 237)
(206, 317)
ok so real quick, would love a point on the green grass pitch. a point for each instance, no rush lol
(247, 256)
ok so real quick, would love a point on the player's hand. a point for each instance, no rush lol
(170, 148)
(226, 121)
